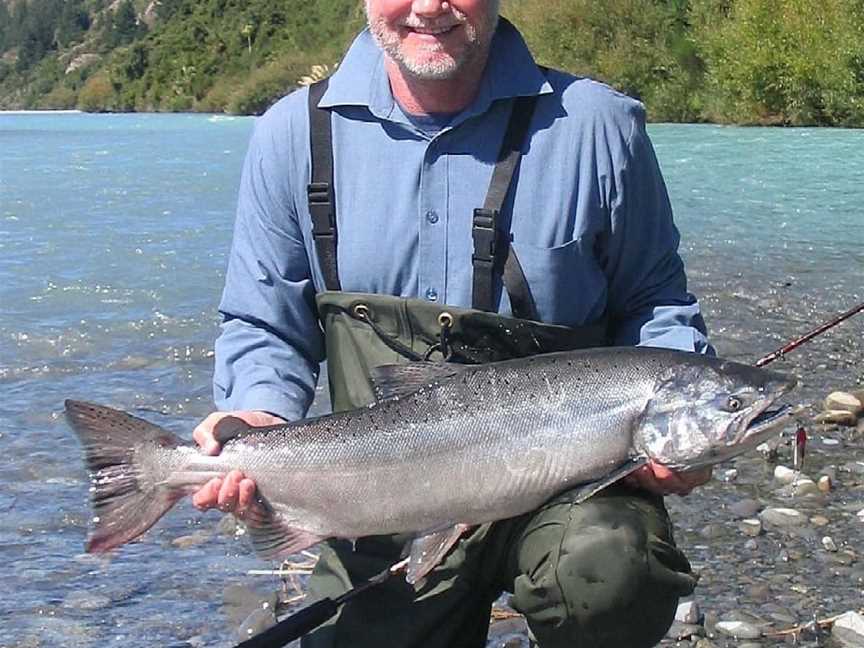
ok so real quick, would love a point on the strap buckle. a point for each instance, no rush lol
(321, 209)
(485, 235)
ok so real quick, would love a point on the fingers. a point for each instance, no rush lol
(670, 481)
(208, 495)
(234, 493)
(660, 480)
(203, 434)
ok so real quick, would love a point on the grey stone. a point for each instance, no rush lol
(679, 631)
(842, 558)
(854, 467)
(709, 622)
(712, 531)
(805, 487)
(688, 612)
(819, 520)
(258, 621)
(184, 542)
(837, 417)
(745, 508)
(239, 602)
(705, 643)
(830, 472)
(784, 474)
(759, 592)
(829, 544)
(751, 527)
(729, 475)
(81, 600)
(849, 630)
(824, 484)
(739, 629)
(843, 402)
(783, 517)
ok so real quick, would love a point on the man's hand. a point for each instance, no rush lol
(234, 493)
(660, 480)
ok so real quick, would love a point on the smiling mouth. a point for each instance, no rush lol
(431, 31)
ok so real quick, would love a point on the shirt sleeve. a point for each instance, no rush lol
(270, 346)
(648, 300)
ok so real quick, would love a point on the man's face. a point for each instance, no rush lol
(431, 39)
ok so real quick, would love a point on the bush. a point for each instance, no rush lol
(783, 61)
(264, 87)
(60, 98)
(97, 95)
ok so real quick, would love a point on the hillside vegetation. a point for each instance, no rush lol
(792, 62)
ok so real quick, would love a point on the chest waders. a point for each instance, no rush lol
(364, 331)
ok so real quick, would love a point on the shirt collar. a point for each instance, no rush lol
(361, 79)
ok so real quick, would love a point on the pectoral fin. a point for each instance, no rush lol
(271, 537)
(429, 550)
(589, 489)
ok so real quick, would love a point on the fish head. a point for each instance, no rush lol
(709, 410)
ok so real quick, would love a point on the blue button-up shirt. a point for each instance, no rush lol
(589, 217)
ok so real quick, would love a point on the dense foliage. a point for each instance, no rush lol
(744, 61)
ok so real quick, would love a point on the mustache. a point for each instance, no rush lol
(455, 19)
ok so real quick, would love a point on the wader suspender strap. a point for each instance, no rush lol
(320, 192)
(490, 245)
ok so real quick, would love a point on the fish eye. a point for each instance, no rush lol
(734, 404)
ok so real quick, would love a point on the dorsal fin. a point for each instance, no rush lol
(403, 379)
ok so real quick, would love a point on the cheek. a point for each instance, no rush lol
(477, 12)
(389, 10)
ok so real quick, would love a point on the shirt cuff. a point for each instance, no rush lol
(267, 399)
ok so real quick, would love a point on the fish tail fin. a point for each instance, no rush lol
(125, 502)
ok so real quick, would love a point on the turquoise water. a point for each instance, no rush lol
(114, 231)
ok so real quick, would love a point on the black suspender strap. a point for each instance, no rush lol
(320, 192)
(490, 246)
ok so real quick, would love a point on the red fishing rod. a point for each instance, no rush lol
(819, 330)
(800, 442)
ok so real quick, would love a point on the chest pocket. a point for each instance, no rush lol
(567, 283)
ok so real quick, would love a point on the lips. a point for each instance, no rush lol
(430, 31)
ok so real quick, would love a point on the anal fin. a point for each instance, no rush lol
(584, 491)
(429, 550)
(271, 537)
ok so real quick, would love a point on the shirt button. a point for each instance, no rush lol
(431, 294)
(432, 216)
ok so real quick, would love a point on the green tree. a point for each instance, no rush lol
(784, 61)
(5, 25)
(637, 46)
(74, 22)
(124, 25)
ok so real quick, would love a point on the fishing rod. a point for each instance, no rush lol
(800, 441)
(310, 617)
(819, 330)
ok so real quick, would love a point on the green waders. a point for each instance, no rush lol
(604, 573)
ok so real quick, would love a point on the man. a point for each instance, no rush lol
(468, 186)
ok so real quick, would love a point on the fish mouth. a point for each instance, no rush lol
(762, 424)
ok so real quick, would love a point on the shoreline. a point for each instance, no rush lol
(765, 123)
